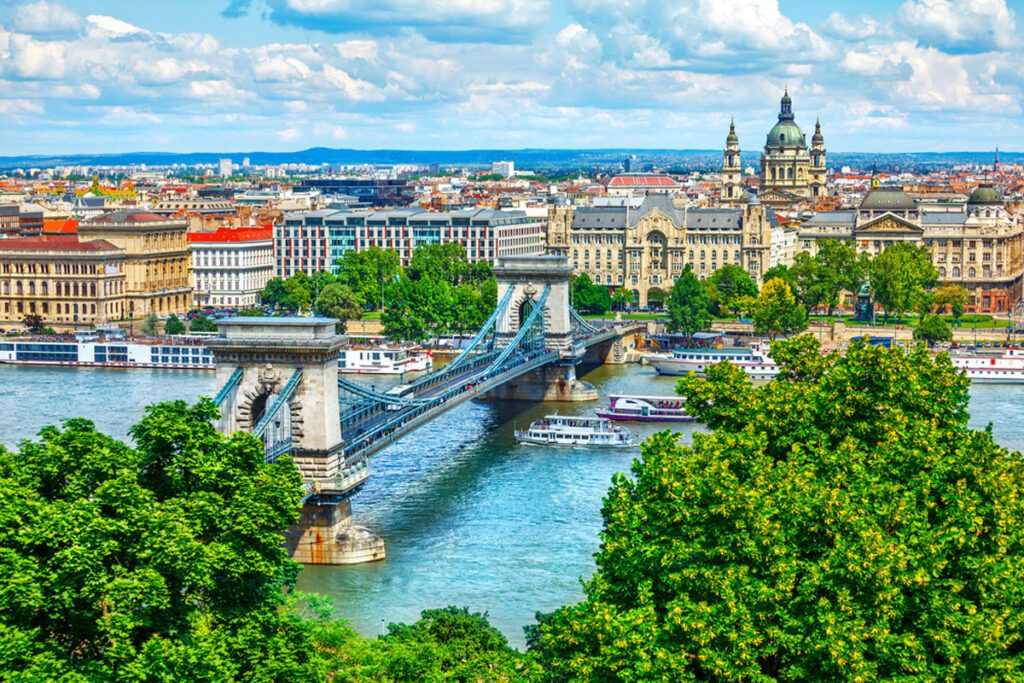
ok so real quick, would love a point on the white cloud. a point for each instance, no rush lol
(46, 18)
(289, 134)
(102, 25)
(160, 71)
(352, 88)
(280, 69)
(963, 25)
(36, 59)
(19, 107)
(859, 29)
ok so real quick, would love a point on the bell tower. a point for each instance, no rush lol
(816, 171)
(732, 172)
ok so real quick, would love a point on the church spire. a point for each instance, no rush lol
(874, 175)
(995, 162)
(732, 138)
(786, 110)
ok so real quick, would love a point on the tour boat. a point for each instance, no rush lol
(559, 430)
(1007, 368)
(645, 409)
(110, 353)
(755, 361)
(383, 360)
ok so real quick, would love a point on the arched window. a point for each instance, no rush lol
(956, 271)
(789, 173)
(942, 271)
(971, 272)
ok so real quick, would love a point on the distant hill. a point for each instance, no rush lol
(523, 158)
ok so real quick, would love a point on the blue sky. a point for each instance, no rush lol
(278, 75)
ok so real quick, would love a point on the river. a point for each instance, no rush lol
(469, 517)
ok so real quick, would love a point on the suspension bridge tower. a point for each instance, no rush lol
(279, 379)
(529, 275)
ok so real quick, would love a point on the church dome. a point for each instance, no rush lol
(985, 194)
(888, 199)
(786, 134)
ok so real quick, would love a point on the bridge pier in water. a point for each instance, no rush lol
(280, 383)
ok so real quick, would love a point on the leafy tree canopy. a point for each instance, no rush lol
(840, 523)
(900, 276)
(338, 301)
(369, 273)
(954, 297)
(173, 325)
(776, 311)
(151, 325)
(162, 562)
(728, 284)
(933, 328)
(588, 297)
(688, 305)
(202, 323)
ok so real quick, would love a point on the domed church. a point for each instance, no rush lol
(790, 172)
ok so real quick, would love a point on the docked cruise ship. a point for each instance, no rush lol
(565, 430)
(383, 360)
(162, 354)
(1005, 369)
(755, 361)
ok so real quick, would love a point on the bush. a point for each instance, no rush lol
(933, 328)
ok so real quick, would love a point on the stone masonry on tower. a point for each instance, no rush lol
(790, 172)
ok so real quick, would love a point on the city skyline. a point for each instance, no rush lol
(282, 75)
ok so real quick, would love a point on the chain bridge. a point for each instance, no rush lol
(280, 382)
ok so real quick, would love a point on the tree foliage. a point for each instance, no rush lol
(202, 323)
(173, 325)
(953, 297)
(726, 286)
(933, 328)
(589, 298)
(776, 310)
(340, 302)
(448, 645)
(840, 523)
(688, 305)
(151, 325)
(900, 276)
(369, 273)
(162, 562)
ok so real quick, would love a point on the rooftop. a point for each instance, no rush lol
(233, 235)
(54, 243)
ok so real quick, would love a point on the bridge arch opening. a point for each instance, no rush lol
(525, 308)
(258, 408)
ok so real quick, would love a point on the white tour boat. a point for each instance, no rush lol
(1006, 369)
(755, 361)
(383, 360)
(645, 409)
(565, 430)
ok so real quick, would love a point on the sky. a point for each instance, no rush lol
(279, 75)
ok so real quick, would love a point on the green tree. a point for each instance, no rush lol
(952, 297)
(688, 305)
(151, 325)
(899, 277)
(422, 309)
(731, 283)
(780, 271)
(840, 523)
(158, 562)
(173, 325)
(298, 293)
(620, 299)
(273, 293)
(366, 271)
(933, 328)
(340, 302)
(810, 283)
(589, 298)
(202, 323)
(439, 262)
(839, 269)
(33, 323)
(447, 646)
(776, 311)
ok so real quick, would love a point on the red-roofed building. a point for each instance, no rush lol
(66, 282)
(60, 226)
(157, 261)
(632, 184)
(231, 266)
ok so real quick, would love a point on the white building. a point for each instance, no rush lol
(231, 267)
(312, 241)
(783, 249)
(506, 169)
(225, 168)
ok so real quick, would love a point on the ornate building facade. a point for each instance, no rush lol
(62, 280)
(157, 262)
(643, 243)
(978, 245)
(790, 171)
(732, 169)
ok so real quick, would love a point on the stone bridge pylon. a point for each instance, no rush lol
(279, 379)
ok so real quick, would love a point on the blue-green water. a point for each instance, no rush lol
(469, 517)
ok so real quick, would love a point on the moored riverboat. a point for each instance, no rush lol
(157, 354)
(383, 360)
(645, 409)
(755, 361)
(1007, 368)
(565, 430)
